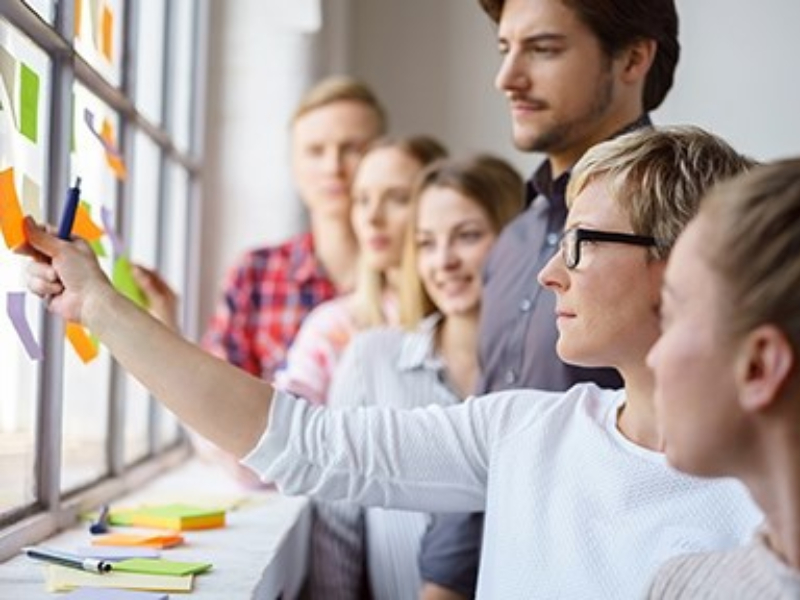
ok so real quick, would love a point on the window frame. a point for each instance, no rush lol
(52, 509)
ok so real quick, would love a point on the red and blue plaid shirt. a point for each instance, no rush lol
(267, 296)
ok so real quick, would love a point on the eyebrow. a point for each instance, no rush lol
(538, 38)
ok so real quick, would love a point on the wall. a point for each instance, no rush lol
(433, 63)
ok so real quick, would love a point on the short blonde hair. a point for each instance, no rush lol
(658, 176)
(490, 182)
(340, 88)
(754, 245)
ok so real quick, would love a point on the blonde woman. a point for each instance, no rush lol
(459, 207)
(379, 215)
(727, 378)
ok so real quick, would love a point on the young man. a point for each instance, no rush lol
(272, 289)
(574, 73)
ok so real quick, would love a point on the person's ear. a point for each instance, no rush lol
(638, 58)
(764, 365)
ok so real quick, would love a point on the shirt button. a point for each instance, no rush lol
(552, 238)
(525, 305)
(510, 377)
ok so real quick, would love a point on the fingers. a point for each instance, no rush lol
(39, 240)
(43, 279)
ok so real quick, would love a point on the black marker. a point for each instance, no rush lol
(65, 559)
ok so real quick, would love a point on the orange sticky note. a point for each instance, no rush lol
(11, 215)
(165, 540)
(106, 33)
(84, 227)
(78, 14)
(81, 342)
(117, 165)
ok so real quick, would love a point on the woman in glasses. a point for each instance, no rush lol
(727, 381)
(579, 500)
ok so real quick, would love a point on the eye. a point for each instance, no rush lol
(424, 244)
(473, 235)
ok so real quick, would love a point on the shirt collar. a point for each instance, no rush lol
(418, 349)
(542, 183)
(304, 262)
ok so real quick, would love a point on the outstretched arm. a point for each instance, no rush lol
(187, 380)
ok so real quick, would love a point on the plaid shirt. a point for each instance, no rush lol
(266, 298)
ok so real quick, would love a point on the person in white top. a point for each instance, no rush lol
(458, 208)
(728, 382)
(578, 497)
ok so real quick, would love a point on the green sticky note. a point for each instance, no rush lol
(28, 103)
(159, 566)
(123, 281)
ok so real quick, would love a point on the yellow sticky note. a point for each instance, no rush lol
(11, 215)
(81, 342)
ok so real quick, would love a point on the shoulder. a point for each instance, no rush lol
(331, 314)
(515, 412)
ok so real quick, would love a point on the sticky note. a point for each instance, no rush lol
(107, 33)
(124, 282)
(88, 593)
(28, 103)
(84, 226)
(166, 540)
(116, 553)
(8, 69)
(157, 566)
(10, 210)
(60, 578)
(107, 217)
(81, 342)
(15, 307)
(31, 198)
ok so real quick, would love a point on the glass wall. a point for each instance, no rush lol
(74, 105)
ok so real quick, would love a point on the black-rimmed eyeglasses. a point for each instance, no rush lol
(572, 238)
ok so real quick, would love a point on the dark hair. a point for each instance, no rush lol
(619, 23)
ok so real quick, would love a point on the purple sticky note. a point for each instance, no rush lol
(15, 307)
(108, 223)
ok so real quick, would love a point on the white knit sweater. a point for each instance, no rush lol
(573, 508)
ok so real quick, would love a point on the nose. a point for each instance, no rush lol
(333, 160)
(554, 275)
(511, 76)
(374, 211)
(446, 257)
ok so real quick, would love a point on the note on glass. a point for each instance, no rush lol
(28, 103)
(8, 68)
(87, 593)
(156, 566)
(11, 215)
(15, 307)
(106, 137)
(123, 281)
(59, 579)
(81, 342)
(107, 33)
(84, 227)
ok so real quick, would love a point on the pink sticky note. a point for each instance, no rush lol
(15, 307)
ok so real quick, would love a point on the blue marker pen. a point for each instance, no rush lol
(70, 209)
